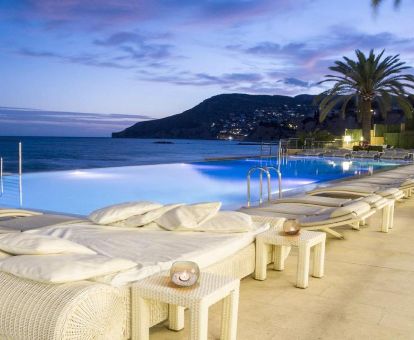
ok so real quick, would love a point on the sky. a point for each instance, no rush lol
(68, 62)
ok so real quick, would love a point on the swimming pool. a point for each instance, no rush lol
(81, 191)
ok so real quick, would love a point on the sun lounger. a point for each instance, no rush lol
(366, 154)
(6, 212)
(404, 184)
(397, 154)
(377, 203)
(316, 217)
(312, 152)
(345, 153)
(352, 189)
(366, 190)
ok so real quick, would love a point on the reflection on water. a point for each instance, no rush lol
(81, 191)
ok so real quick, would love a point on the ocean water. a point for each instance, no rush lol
(62, 153)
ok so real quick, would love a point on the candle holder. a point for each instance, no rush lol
(184, 273)
(291, 227)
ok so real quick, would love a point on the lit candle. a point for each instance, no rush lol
(184, 273)
(184, 276)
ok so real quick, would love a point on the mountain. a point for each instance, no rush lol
(230, 116)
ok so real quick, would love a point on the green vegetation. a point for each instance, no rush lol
(366, 80)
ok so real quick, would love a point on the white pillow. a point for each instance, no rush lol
(227, 222)
(150, 216)
(63, 268)
(34, 244)
(119, 212)
(188, 216)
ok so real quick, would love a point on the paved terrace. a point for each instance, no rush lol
(367, 292)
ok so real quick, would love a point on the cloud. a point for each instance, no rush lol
(106, 13)
(205, 79)
(122, 50)
(268, 48)
(297, 82)
(83, 59)
(288, 64)
(120, 38)
(337, 41)
(253, 83)
(35, 122)
(137, 46)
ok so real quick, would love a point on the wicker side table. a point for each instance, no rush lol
(281, 246)
(211, 289)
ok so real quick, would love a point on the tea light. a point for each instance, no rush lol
(291, 227)
(184, 273)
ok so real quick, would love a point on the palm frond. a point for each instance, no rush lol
(370, 77)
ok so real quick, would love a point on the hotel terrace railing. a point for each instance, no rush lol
(310, 143)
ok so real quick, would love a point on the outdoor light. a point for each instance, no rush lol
(346, 166)
(361, 139)
(184, 273)
(291, 227)
(347, 139)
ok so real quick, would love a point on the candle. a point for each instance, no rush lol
(184, 276)
(291, 227)
(184, 273)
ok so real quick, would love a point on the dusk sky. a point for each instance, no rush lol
(157, 58)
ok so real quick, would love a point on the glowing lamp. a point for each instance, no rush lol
(184, 273)
(347, 139)
(291, 227)
(346, 166)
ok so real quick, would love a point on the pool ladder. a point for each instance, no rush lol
(266, 170)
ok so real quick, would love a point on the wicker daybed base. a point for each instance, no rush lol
(85, 310)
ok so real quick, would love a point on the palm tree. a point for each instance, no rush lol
(364, 81)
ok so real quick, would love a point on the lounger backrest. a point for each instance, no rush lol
(356, 209)
(316, 200)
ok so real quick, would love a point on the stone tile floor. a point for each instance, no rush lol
(367, 292)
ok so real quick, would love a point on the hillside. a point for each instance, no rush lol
(238, 116)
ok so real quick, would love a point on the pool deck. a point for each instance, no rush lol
(367, 291)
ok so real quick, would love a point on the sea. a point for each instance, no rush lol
(68, 153)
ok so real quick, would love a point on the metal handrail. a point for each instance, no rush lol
(279, 177)
(261, 171)
(267, 171)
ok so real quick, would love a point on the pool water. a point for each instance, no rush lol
(81, 191)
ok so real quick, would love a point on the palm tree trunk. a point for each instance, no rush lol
(366, 120)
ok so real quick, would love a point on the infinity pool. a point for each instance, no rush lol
(81, 191)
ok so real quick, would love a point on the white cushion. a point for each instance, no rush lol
(119, 212)
(390, 192)
(150, 216)
(34, 244)
(3, 255)
(356, 208)
(188, 216)
(63, 268)
(227, 222)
